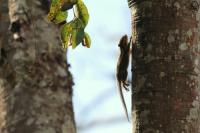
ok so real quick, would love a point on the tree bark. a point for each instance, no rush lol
(166, 66)
(35, 83)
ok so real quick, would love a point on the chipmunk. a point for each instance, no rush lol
(122, 66)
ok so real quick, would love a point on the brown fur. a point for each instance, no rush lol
(122, 66)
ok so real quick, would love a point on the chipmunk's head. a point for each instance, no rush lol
(123, 41)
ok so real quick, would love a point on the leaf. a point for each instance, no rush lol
(77, 37)
(54, 8)
(51, 14)
(60, 17)
(72, 33)
(77, 23)
(86, 40)
(77, 33)
(66, 30)
(82, 12)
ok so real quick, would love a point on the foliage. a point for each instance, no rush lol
(72, 33)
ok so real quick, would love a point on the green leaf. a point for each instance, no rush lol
(51, 14)
(77, 37)
(82, 12)
(77, 23)
(66, 30)
(72, 33)
(77, 33)
(54, 9)
(86, 40)
(60, 17)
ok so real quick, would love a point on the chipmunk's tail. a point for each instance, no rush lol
(122, 100)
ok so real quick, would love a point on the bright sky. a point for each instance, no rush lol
(95, 92)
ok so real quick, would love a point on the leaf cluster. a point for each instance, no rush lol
(73, 32)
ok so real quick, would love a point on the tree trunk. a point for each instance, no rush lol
(35, 83)
(166, 66)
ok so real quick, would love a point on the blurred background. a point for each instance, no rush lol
(96, 99)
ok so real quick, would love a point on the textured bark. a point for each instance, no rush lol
(35, 83)
(166, 66)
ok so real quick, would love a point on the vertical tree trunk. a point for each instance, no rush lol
(35, 83)
(166, 66)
